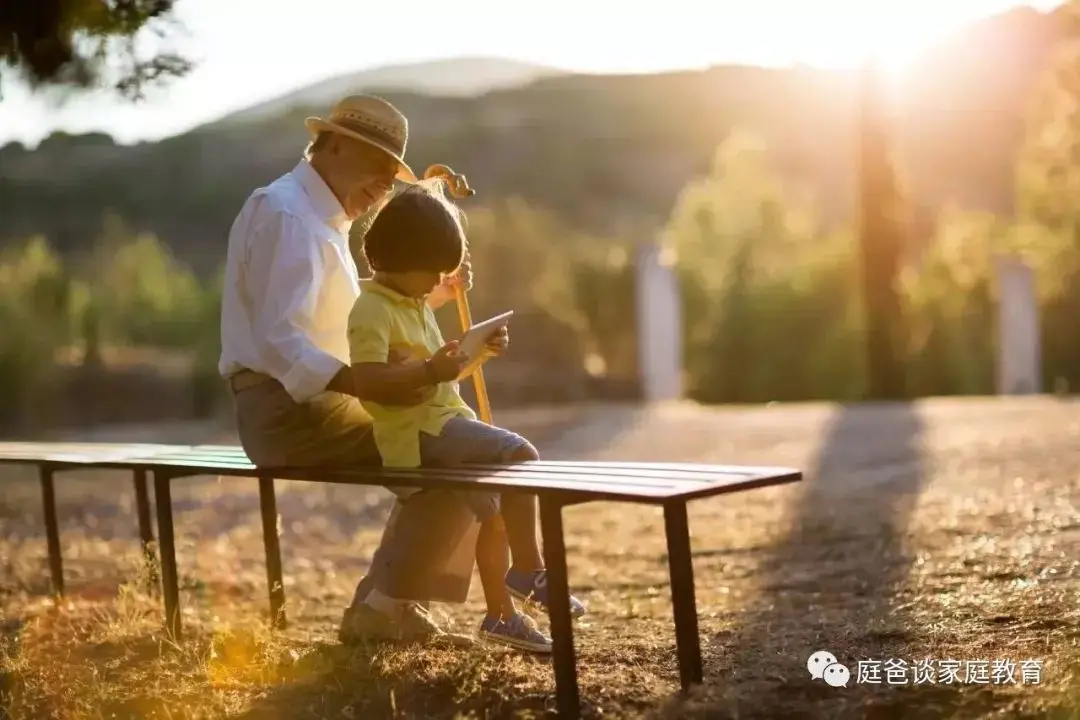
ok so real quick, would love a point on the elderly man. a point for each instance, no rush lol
(289, 286)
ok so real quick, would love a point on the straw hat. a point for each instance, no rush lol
(371, 120)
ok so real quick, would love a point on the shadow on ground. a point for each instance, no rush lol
(817, 592)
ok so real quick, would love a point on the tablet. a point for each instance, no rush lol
(472, 343)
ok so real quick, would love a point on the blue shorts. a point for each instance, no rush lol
(470, 441)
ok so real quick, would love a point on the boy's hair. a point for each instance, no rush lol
(418, 229)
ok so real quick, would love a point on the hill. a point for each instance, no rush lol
(607, 153)
(454, 77)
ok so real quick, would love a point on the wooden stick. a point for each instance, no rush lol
(484, 405)
(459, 188)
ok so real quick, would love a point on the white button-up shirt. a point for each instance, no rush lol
(290, 283)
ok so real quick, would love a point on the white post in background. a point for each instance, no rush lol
(1019, 351)
(659, 323)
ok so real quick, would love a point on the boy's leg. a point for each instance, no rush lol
(503, 624)
(520, 513)
(465, 441)
(492, 564)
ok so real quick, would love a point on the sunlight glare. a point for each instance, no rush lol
(843, 43)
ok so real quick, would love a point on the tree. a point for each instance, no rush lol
(1048, 180)
(82, 44)
(768, 297)
(880, 236)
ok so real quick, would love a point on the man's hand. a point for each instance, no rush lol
(496, 344)
(447, 289)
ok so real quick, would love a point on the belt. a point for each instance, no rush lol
(244, 379)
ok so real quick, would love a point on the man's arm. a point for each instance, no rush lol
(288, 305)
(387, 384)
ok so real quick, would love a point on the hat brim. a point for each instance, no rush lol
(316, 125)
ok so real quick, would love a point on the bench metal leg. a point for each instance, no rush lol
(170, 585)
(268, 505)
(146, 530)
(567, 698)
(52, 530)
(681, 567)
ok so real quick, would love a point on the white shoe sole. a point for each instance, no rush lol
(542, 648)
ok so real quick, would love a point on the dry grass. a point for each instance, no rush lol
(949, 529)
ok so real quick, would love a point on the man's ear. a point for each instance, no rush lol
(333, 145)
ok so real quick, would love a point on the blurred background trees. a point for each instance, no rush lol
(81, 44)
(103, 287)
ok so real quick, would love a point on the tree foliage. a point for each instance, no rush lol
(770, 298)
(1048, 184)
(82, 44)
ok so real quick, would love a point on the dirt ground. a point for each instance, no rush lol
(947, 530)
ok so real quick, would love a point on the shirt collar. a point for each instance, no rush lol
(370, 285)
(322, 197)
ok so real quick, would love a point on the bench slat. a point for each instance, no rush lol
(593, 480)
(585, 486)
(666, 468)
(431, 476)
(80, 453)
(668, 471)
(625, 473)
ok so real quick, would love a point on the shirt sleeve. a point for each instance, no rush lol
(369, 331)
(286, 316)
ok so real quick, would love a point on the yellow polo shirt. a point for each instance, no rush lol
(383, 320)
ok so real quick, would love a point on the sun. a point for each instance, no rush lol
(844, 43)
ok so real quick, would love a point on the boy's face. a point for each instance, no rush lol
(418, 283)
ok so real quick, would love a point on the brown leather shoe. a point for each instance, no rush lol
(412, 624)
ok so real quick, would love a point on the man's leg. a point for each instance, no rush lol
(333, 430)
(428, 555)
(414, 564)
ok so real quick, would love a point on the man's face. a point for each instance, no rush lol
(371, 175)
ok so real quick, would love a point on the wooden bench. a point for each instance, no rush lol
(558, 484)
(50, 458)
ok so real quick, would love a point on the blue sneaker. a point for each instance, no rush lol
(518, 631)
(532, 587)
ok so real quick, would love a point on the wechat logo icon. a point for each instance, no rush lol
(824, 666)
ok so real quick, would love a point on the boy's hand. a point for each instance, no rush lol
(496, 344)
(448, 361)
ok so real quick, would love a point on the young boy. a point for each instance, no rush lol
(415, 240)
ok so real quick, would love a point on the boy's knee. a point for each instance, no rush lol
(525, 453)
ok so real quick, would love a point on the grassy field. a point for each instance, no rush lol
(945, 530)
